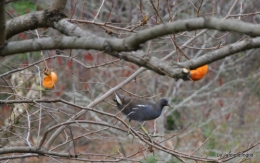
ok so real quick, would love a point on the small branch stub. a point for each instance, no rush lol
(52, 16)
(186, 74)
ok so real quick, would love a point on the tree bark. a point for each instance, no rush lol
(2, 24)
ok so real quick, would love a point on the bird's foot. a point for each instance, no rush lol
(147, 133)
(128, 132)
(150, 137)
(129, 129)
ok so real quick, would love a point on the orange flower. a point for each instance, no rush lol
(50, 79)
(199, 73)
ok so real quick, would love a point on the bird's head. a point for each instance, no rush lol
(164, 102)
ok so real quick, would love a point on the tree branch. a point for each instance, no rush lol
(40, 151)
(32, 150)
(222, 53)
(25, 22)
(147, 61)
(2, 23)
(133, 42)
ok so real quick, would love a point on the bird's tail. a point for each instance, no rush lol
(117, 99)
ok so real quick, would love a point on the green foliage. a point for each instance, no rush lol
(22, 57)
(253, 84)
(174, 160)
(37, 55)
(176, 100)
(174, 121)
(207, 131)
(23, 7)
(149, 159)
(170, 123)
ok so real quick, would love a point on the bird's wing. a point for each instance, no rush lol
(141, 112)
(141, 109)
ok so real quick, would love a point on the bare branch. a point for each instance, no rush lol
(2, 23)
(149, 62)
(222, 53)
(32, 150)
(25, 22)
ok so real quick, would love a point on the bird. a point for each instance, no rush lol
(140, 110)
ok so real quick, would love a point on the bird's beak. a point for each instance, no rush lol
(169, 105)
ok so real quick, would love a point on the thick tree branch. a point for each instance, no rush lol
(2, 23)
(70, 29)
(222, 53)
(30, 101)
(152, 63)
(133, 42)
(32, 150)
(192, 24)
(33, 20)
(113, 45)
(25, 22)
(18, 156)
(63, 42)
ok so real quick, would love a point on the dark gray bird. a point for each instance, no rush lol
(140, 110)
